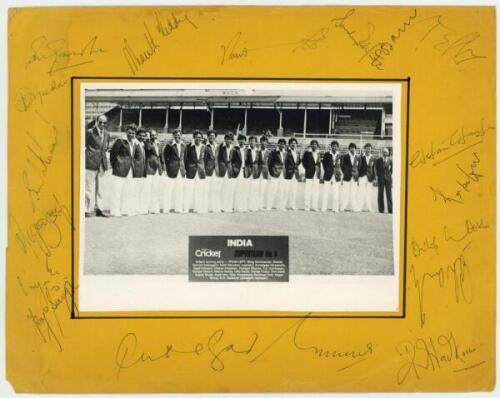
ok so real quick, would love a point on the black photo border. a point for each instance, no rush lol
(76, 315)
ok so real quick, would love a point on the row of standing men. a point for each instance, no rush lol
(214, 177)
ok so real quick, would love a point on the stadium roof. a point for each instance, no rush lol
(161, 97)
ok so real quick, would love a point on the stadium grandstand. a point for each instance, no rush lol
(357, 117)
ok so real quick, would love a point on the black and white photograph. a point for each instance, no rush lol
(277, 186)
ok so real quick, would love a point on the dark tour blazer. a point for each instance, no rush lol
(121, 157)
(310, 166)
(173, 160)
(367, 168)
(384, 171)
(263, 163)
(291, 166)
(331, 166)
(350, 170)
(209, 159)
(235, 162)
(139, 169)
(222, 160)
(193, 163)
(251, 164)
(153, 158)
(95, 149)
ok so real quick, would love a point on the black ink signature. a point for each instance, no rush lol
(471, 227)
(468, 178)
(171, 23)
(354, 356)
(427, 245)
(458, 273)
(233, 49)
(137, 56)
(457, 139)
(438, 194)
(39, 160)
(311, 42)
(376, 51)
(45, 319)
(59, 58)
(25, 98)
(447, 41)
(42, 237)
(431, 354)
(128, 353)
(383, 49)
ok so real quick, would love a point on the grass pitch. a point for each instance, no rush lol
(320, 243)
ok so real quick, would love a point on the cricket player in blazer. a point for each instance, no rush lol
(238, 174)
(348, 192)
(312, 166)
(366, 172)
(383, 167)
(173, 159)
(139, 174)
(263, 171)
(154, 170)
(96, 164)
(195, 192)
(223, 174)
(213, 188)
(292, 162)
(121, 159)
(332, 175)
(276, 192)
(252, 173)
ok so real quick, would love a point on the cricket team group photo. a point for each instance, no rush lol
(163, 165)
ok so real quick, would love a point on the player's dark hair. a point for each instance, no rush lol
(131, 126)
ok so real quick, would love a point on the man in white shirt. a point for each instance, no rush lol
(121, 159)
(154, 169)
(96, 164)
(292, 162)
(350, 179)
(332, 176)
(276, 177)
(312, 166)
(237, 167)
(252, 174)
(211, 169)
(173, 155)
(223, 173)
(263, 171)
(139, 181)
(195, 193)
(366, 191)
